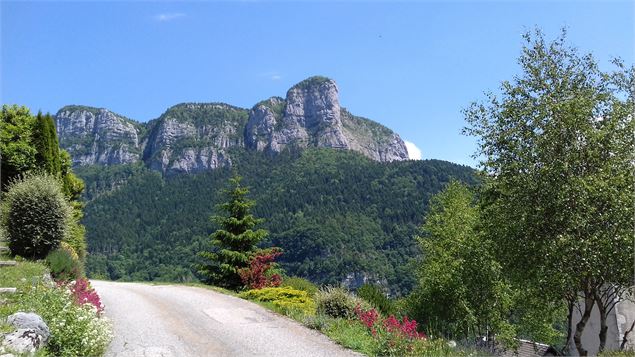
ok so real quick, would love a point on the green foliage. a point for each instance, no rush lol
(351, 334)
(18, 152)
(76, 234)
(284, 298)
(338, 303)
(298, 283)
(331, 211)
(460, 289)
(235, 242)
(376, 297)
(35, 215)
(63, 265)
(557, 145)
(45, 142)
(311, 82)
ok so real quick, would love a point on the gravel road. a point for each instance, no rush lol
(173, 320)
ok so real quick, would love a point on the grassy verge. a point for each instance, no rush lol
(76, 328)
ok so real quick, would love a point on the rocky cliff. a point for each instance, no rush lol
(193, 137)
(97, 136)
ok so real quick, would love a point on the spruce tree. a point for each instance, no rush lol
(236, 240)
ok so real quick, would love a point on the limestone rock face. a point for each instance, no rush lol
(194, 137)
(97, 136)
(311, 116)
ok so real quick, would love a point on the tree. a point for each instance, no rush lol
(35, 215)
(17, 153)
(236, 240)
(557, 146)
(459, 289)
(46, 144)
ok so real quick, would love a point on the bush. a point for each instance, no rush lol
(63, 265)
(300, 284)
(35, 215)
(375, 296)
(76, 330)
(286, 299)
(338, 302)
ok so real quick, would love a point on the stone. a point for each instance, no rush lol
(30, 321)
(195, 137)
(23, 341)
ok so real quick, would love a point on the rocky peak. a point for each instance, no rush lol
(311, 115)
(192, 137)
(97, 136)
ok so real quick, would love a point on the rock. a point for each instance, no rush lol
(23, 341)
(97, 136)
(194, 137)
(311, 116)
(30, 321)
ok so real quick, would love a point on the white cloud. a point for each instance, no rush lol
(272, 75)
(168, 16)
(414, 153)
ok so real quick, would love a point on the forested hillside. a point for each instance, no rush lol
(339, 216)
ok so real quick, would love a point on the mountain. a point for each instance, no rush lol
(340, 217)
(195, 137)
(336, 191)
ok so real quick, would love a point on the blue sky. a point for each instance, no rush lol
(412, 66)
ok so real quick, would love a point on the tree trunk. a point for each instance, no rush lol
(603, 327)
(570, 305)
(589, 301)
(625, 339)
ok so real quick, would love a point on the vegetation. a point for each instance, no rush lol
(39, 213)
(297, 283)
(63, 265)
(16, 143)
(35, 215)
(376, 297)
(338, 303)
(460, 289)
(284, 299)
(317, 202)
(235, 242)
(558, 202)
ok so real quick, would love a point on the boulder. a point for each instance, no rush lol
(23, 341)
(31, 321)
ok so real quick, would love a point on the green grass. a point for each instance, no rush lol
(351, 334)
(23, 275)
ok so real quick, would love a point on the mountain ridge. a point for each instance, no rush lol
(195, 137)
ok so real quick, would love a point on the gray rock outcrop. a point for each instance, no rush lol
(194, 137)
(311, 116)
(97, 136)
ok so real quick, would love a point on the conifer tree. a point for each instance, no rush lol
(236, 240)
(46, 144)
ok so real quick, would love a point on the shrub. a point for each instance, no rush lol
(300, 284)
(374, 295)
(401, 338)
(338, 302)
(286, 299)
(76, 330)
(258, 274)
(64, 264)
(83, 294)
(35, 215)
